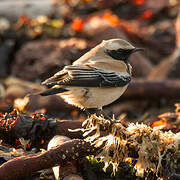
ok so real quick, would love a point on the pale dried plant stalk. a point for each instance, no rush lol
(150, 144)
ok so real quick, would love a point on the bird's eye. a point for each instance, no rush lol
(119, 54)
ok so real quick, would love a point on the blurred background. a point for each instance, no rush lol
(40, 37)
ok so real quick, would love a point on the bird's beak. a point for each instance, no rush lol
(137, 49)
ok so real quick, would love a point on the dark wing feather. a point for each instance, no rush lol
(87, 77)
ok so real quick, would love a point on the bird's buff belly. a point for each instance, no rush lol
(92, 97)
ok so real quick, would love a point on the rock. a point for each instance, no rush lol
(20, 89)
(6, 49)
(41, 59)
(17, 88)
(168, 68)
(73, 177)
(2, 90)
(32, 8)
(104, 4)
(159, 39)
(4, 24)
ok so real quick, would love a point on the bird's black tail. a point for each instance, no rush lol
(52, 91)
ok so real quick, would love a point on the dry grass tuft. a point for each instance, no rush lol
(151, 148)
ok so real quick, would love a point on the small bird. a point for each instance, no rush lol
(97, 78)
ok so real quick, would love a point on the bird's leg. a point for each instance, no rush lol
(102, 112)
(91, 111)
(98, 112)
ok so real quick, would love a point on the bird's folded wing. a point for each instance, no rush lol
(88, 77)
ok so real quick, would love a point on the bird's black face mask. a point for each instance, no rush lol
(122, 54)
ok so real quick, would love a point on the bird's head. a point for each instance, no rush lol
(119, 49)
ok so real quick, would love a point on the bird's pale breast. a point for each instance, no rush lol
(92, 97)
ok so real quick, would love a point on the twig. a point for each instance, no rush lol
(70, 168)
(153, 89)
(25, 165)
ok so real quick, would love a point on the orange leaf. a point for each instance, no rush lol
(77, 24)
(147, 14)
(112, 19)
(159, 123)
(138, 2)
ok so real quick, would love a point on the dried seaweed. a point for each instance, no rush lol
(150, 147)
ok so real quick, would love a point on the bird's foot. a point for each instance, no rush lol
(92, 111)
(97, 112)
